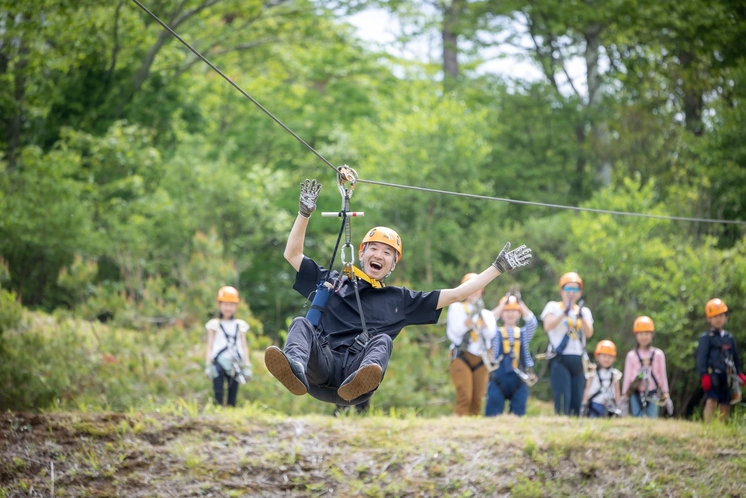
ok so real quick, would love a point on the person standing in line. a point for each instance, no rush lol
(227, 355)
(568, 325)
(718, 363)
(510, 348)
(645, 379)
(470, 328)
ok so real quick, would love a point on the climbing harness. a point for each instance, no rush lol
(643, 378)
(606, 389)
(346, 181)
(476, 335)
(234, 356)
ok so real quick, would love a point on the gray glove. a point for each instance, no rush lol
(309, 192)
(508, 260)
(669, 405)
(623, 406)
(584, 410)
(246, 371)
(209, 371)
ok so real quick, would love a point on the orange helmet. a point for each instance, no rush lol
(605, 347)
(510, 302)
(468, 276)
(228, 294)
(570, 278)
(384, 235)
(643, 324)
(715, 307)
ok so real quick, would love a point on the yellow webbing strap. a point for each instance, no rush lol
(516, 343)
(573, 325)
(377, 284)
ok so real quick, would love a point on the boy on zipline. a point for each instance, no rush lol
(336, 361)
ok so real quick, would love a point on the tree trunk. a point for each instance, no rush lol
(15, 123)
(450, 42)
(692, 99)
(599, 130)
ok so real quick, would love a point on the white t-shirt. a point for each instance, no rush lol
(456, 330)
(574, 346)
(606, 389)
(220, 341)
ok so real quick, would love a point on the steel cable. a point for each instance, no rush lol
(425, 189)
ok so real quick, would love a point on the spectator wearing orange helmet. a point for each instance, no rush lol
(470, 329)
(227, 347)
(602, 395)
(645, 379)
(718, 362)
(569, 325)
(510, 348)
(336, 358)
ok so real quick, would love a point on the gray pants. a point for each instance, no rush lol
(326, 373)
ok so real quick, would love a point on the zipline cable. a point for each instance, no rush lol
(554, 206)
(422, 189)
(234, 84)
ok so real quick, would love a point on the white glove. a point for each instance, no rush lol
(309, 192)
(508, 260)
(209, 370)
(624, 406)
(246, 371)
(669, 405)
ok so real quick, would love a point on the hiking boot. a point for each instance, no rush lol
(289, 372)
(364, 380)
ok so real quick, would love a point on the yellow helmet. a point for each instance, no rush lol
(228, 294)
(384, 235)
(643, 324)
(571, 278)
(715, 307)
(605, 347)
(510, 302)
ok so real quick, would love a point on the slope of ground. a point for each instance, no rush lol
(248, 452)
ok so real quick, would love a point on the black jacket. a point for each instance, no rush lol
(712, 351)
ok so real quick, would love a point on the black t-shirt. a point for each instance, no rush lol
(386, 310)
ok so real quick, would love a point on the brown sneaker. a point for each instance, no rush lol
(363, 381)
(288, 372)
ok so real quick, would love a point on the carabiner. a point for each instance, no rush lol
(342, 255)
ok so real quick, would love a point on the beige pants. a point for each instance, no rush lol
(471, 385)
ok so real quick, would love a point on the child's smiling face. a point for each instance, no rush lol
(227, 309)
(644, 339)
(605, 360)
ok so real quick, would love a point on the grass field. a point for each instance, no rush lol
(180, 450)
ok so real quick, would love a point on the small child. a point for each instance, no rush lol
(718, 362)
(227, 356)
(510, 347)
(602, 395)
(645, 379)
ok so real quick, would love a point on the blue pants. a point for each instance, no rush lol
(637, 410)
(568, 383)
(510, 387)
(596, 410)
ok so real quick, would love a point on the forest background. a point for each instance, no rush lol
(134, 182)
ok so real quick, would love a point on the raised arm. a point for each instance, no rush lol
(309, 192)
(506, 261)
